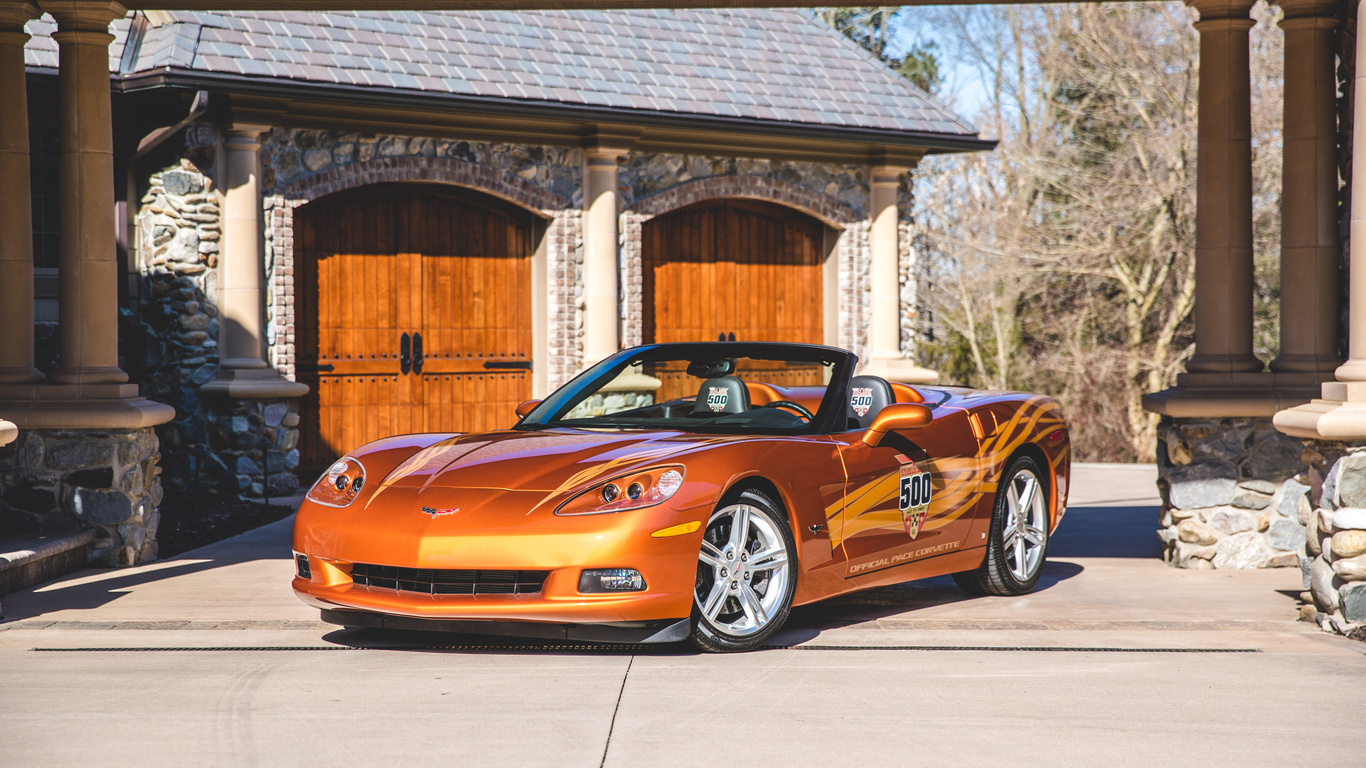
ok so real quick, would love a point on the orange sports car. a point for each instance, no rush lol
(687, 491)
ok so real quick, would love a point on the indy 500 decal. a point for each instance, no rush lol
(717, 398)
(916, 491)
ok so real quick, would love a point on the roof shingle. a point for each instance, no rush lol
(761, 64)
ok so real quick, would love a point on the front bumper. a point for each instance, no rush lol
(663, 631)
(333, 540)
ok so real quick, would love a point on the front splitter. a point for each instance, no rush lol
(662, 631)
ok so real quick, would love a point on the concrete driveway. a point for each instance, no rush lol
(208, 659)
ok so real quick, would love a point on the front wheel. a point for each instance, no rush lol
(746, 575)
(1018, 542)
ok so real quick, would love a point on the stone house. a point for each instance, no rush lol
(334, 227)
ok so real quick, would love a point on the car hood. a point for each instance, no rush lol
(546, 461)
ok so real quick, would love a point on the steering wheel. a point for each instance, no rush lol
(798, 407)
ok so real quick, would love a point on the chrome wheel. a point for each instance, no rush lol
(743, 570)
(1024, 532)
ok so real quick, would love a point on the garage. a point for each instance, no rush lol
(414, 314)
(736, 269)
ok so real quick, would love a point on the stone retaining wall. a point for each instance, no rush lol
(107, 481)
(1233, 492)
(1335, 522)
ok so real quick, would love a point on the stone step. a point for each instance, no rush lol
(25, 562)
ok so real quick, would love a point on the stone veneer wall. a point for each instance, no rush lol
(59, 480)
(1234, 494)
(232, 448)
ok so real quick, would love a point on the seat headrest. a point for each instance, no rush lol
(868, 395)
(723, 394)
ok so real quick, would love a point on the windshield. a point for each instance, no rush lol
(705, 387)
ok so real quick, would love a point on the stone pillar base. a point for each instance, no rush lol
(235, 448)
(898, 370)
(1234, 492)
(54, 480)
(1335, 574)
(80, 406)
(253, 384)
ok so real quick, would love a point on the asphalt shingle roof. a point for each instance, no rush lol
(778, 65)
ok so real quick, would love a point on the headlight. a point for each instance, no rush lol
(645, 488)
(340, 484)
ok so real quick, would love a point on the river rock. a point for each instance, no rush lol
(1351, 481)
(1324, 584)
(1258, 486)
(100, 507)
(1351, 568)
(1325, 521)
(1286, 535)
(1290, 494)
(1277, 457)
(1241, 551)
(1231, 521)
(1304, 510)
(1349, 518)
(1195, 532)
(1349, 543)
(1354, 603)
(1245, 499)
(1283, 560)
(80, 455)
(1203, 484)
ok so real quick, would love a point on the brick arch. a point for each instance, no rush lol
(766, 188)
(439, 170)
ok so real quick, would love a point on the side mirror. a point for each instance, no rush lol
(897, 416)
(526, 406)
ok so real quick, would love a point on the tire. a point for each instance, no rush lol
(739, 614)
(1014, 539)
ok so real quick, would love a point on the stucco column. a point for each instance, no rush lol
(88, 330)
(243, 371)
(884, 324)
(1223, 210)
(1309, 185)
(1341, 413)
(16, 222)
(602, 316)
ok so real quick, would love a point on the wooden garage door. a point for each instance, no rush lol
(739, 267)
(444, 265)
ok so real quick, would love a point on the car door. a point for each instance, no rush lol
(910, 498)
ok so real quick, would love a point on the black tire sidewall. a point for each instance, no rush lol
(711, 639)
(998, 520)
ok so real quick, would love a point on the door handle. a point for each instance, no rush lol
(405, 357)
(417, 353)
(310, 367)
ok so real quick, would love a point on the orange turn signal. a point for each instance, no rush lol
(677, 530)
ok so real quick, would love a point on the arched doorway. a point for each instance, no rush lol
(734, 266)
(414, 314)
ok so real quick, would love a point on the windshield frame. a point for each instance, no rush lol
(829, 418)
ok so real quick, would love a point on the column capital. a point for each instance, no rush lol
(603, 141)
(13, 17)
(239, 132)
(1217, 10)
(84, 15)
(1297, 12)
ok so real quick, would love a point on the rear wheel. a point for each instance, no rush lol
(746, 575)
(1018, 542)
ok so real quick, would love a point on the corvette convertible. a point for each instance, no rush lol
(691, 491)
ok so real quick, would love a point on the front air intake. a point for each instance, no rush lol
(440, 581)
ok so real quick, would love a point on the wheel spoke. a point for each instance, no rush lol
(1022, 567)
(755, 609)
(739, 528)
(768, 559)
(711, 555)
(1012, 505)
(1026, 500)
(1033, 535)
(715, 600)
(1011, 537)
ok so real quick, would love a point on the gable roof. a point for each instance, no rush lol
(756, 64)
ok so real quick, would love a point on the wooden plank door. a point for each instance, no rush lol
(356, 294)
(387, 260)
(745, 267)
(475, 254)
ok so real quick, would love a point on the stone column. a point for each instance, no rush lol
(243, 371)
(1309, 184)
(1223, 217)
(88, 297)
(16, 222)
(1341, 412)
(884, 325)
(601, 322)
